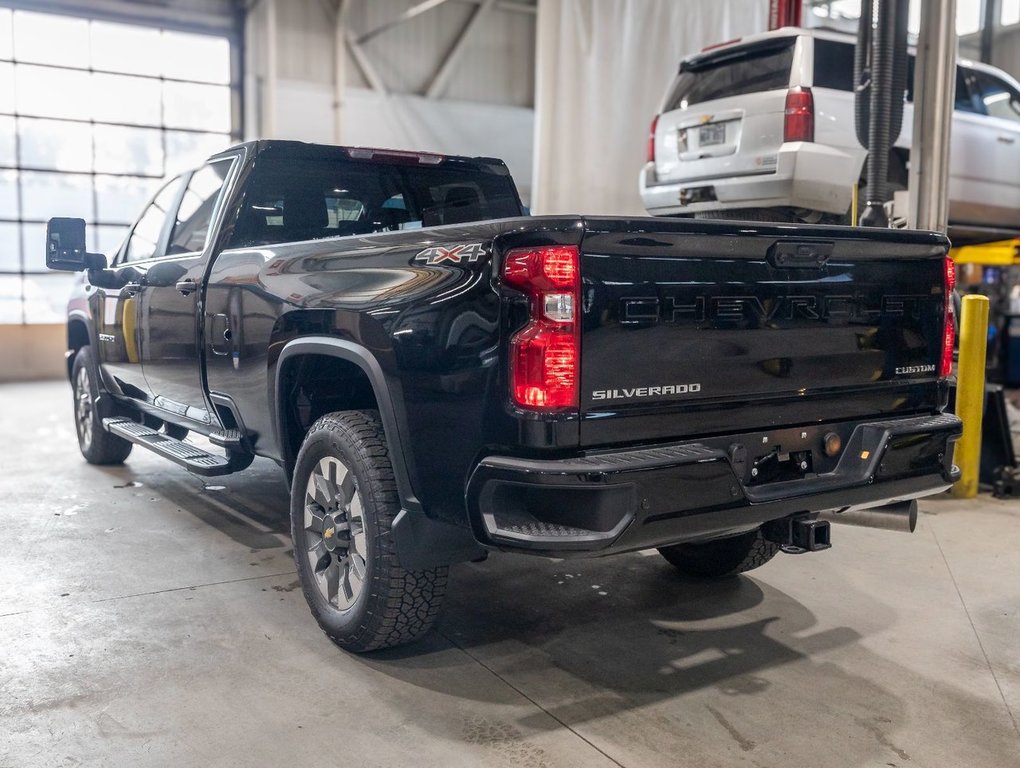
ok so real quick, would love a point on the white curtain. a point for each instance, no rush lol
(602, 69)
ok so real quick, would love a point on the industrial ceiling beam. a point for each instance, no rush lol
(364, 64)
(442, 76)
(410, 13)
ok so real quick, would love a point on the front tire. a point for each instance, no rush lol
(723, 557)
(343, 503)
(96, 444)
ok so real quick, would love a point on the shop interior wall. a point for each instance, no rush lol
(486, 107)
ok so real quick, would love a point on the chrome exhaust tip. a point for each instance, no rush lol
(901, 516)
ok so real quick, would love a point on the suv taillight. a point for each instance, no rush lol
(799, 115)
(545, 354)
(651, 139)
(948, 328)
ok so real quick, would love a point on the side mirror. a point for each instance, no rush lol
(65, 247)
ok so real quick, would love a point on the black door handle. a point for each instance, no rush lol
(187, 287)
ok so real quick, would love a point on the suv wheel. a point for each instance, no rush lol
(97, 445)
(722, 557)
(343, 502)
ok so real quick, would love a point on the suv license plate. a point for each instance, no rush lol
(712, 134)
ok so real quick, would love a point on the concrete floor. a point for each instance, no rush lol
(150, 619)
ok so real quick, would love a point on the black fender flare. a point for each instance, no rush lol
(421, 541)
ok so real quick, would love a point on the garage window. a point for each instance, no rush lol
(93, 115)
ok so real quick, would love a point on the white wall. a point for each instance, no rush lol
(602, 69)
(485, 108)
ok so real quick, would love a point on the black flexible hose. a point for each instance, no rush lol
(862, 73)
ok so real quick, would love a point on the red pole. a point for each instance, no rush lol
(785, 13)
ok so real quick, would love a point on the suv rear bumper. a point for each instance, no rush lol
(609, 502)
(805, 175)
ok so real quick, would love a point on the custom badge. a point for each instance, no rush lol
(455, 254)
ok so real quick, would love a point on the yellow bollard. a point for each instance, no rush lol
(970, 393)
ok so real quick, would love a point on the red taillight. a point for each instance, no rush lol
(948, 328)
(545, 354)
(799, 115)
(651, 139)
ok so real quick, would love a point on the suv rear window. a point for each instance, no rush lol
(733, 72)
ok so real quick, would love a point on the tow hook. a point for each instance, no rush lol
(800, 534)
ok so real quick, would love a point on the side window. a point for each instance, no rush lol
(144, 238)
(194, 216)
(964, 95)
(834, 65)
(999, 97)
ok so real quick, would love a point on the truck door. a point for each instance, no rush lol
(168, 319)
(116, 309)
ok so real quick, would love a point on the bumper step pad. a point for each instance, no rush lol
(189, 456)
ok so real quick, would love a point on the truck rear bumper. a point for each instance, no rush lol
(604, 503)
(804, 175)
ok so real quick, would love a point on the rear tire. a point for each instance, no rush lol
(96, 444)
(723, 557)
(343, 503)
(175, 431)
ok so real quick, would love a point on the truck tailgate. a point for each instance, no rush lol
(690, 327)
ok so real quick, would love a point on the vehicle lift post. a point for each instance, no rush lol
(970, 393)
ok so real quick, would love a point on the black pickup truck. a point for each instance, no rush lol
(439, 374)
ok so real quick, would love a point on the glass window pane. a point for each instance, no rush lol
(1010, 13)
(48, 92)
(186, 150)
(7, 141)
(121, 198)
(196, 57)
(121, 99)
(46, 297)
(202, 107)
(8, 195)
(10, 248)
(195, 212)
(125, 48)
(968, 17)
(10, 299)
(33, 244)
(56, 144)
(6, 49)
(44, 195)
(129, 150)
(145, 236)
(999, 98)
(6, 87)
(51, 39)
(107, 239)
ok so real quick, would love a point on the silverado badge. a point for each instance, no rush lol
(455, 254)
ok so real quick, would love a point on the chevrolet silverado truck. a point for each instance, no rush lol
(440, 375)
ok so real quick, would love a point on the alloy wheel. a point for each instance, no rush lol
(335, 532)
(83, 407)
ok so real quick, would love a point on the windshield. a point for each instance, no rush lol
(292, 199)
(733, 72)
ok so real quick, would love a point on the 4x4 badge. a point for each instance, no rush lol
(455, 254)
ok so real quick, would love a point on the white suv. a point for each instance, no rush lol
(767, 122)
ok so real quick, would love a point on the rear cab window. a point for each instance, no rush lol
(733, 71)
(293, 199)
